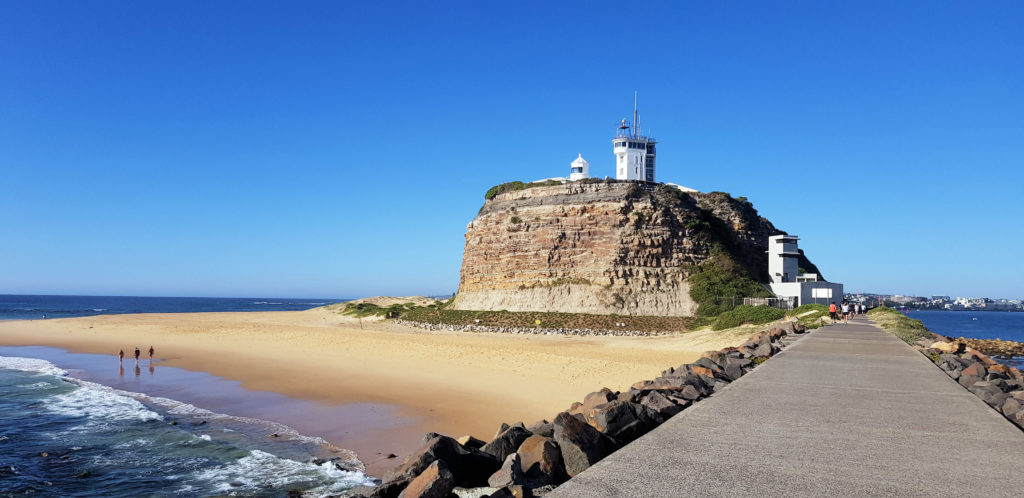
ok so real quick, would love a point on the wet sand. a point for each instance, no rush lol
(380, 387)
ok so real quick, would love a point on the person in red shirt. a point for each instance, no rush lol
(832, 311)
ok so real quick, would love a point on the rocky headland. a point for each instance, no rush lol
(608, 246)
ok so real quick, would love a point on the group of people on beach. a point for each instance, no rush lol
(120, 355)
(847, 308)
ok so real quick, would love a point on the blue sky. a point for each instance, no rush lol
(336, 149)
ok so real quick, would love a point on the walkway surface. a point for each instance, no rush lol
(847, 410)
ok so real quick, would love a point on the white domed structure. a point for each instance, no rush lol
(580, 169)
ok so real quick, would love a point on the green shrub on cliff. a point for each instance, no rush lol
(739, 315)
(900, 325)
(719, 283)
(514, 186)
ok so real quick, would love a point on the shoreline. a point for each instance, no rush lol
(429, 381)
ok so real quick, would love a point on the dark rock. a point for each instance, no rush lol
(468, 466)
(542, 428)
(581, 445)
(507, 442)
(968, 380)
(504, 427)
(623, 421)
(707, 363)
(762, 351)
(592, 400)
(1011, 406)
(511, 472)
(990, 394)
(436, 481)
(661, 405)
(541, 461)
(975, 369)
(717, 357)
(471, 442)
(390, 456)
(799, 328)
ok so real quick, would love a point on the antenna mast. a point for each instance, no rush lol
(634, 115)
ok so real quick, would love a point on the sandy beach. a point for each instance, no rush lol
(392, 383)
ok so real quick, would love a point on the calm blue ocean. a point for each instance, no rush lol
(27, 307)
(1006, 325)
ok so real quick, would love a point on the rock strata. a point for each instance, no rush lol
(530, 460)
(603, 247)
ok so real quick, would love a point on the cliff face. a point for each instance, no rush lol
(603, 247)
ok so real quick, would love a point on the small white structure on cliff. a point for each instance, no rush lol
(634, 153)
(580, 169)
(788, 283)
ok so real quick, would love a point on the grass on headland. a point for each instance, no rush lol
(756, 315)
(900, 325)
(548, 320)
(812, 315)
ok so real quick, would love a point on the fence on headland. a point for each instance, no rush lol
(782, 303)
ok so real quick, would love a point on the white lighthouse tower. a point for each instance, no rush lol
(634, 153)
(580, 169)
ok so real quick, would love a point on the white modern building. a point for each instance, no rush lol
(580, 169)
(634, 152)
(788, 283)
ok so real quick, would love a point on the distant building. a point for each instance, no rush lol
(580, 169)
(786, 280)
(634, 153)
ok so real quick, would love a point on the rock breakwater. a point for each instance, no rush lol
(526, 461)
(998, 385)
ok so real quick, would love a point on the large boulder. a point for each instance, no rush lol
(436, 481)
(541, 461)
(543, 428)
(976, 369)
(1011, 406)
(660, 405)
(622, 421)
(581, 444)
(468, 467)
(511, 472)
(507, 442)
(989, 393)
(968, 380)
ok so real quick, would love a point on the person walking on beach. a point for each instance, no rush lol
(120, 357)
(137, 353)
(832, 311)
(151, 353)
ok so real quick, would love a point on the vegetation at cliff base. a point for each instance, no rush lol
(363, 310)
(900, 325)
(548, 320)
(742, 314)
(720, 277)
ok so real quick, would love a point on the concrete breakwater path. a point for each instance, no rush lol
(847, 410)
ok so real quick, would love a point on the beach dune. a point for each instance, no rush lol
(455, 383)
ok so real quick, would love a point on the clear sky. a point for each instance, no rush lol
(339, 149)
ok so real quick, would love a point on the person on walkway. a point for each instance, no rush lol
(151, 353)
(137, 353)
(846, 312)
(120, 356)
(832, 311)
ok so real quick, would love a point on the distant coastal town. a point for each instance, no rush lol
(946, 303)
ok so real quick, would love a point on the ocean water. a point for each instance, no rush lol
(1005, 325)
(27, 307)
(64, 436)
